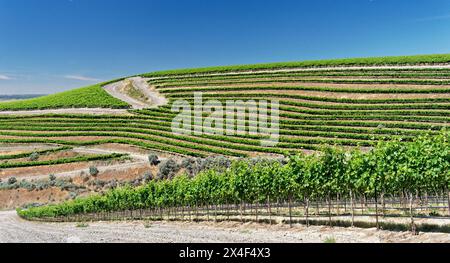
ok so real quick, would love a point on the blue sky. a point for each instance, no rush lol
(54, 45)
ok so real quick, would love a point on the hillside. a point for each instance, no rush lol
(348, 102)
(87, 97)
(103, 152)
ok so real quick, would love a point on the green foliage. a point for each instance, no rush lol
(374, 90)
(34, 156)
(418, 166)
(310, 116)
(211, 84)
(63, 183)
(349, 72)
(89, 97)
(63, 160)
(329, 240)
(168, 169)
(147, 177)
(395, 60)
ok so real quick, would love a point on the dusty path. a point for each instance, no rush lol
(14, 229)
(156, 98)
(141, 84)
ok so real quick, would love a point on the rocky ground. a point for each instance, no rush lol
(14, 229)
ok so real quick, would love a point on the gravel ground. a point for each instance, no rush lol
(14, 229)
(142, 85)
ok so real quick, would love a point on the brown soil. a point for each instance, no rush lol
(49, 169)
(10, 199)
(132, 149)
(48, 157)
(120, 176)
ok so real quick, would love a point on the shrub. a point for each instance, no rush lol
(168, 169)
(12, 180)
(194, 166)
(93, 171)
(147, 177)
(153, 159)
(52, 177)
(26, 185)
(82, 224)
(329, 240)
(112, 184)
(191, 165)
(34, 156)
(219, 163)
(136, 182)
(73, 195)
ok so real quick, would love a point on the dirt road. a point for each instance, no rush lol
(14, 229)
(155, 97)
(141, 84)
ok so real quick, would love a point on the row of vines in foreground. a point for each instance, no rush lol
(390, 170)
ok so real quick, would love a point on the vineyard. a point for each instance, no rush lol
(394, 179)
(87, 97)
(363, 137)
(347, 107)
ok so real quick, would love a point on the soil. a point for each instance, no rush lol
(10, 149)
(154, 98)
(14, 229)
(48, 157)
(44, 171)
(10, 199)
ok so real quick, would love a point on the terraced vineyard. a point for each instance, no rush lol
(100, 152)
(338, 105)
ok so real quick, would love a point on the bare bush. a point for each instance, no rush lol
(93, 171)
(153, 159)
(168, 169)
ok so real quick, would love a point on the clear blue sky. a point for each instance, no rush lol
(54, 45)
